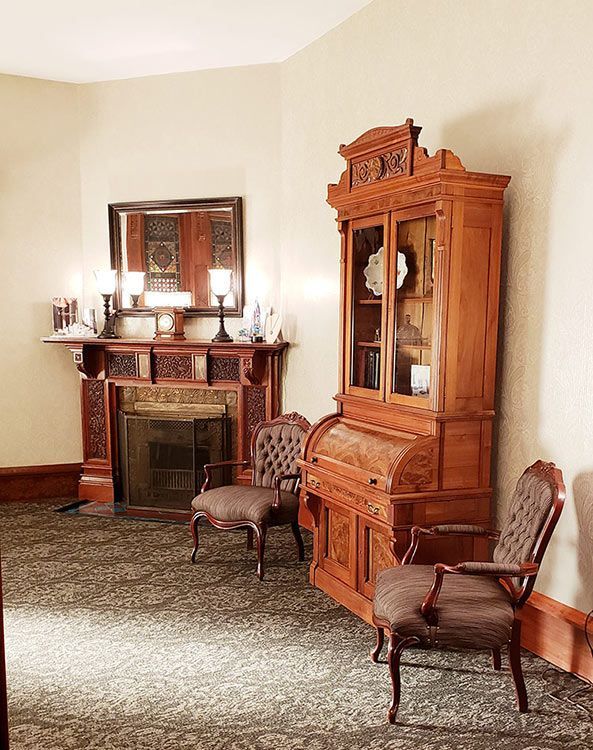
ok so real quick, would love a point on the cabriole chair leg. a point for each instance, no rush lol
(194, 532)
(396, 647)
(299, 540)
(260, 536)
(376, 652)
(515, 659)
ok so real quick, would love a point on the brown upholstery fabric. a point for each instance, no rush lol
(531, 503)
(247, 503)
(277, 449)
(474, 612)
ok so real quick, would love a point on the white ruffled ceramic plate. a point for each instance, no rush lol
(374, 273)
(402, 269)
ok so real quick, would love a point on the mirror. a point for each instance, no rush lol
(175, 243)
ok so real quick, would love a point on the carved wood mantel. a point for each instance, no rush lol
(253, 371)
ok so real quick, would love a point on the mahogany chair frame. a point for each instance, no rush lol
(258, 529)
(507, 574)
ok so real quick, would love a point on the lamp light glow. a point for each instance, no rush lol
(220, 281)
(105, 281)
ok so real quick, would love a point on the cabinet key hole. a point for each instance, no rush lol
(314, 459)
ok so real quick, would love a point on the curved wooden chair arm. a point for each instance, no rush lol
(208, 468)
(428, 608)
(278, 479)
(444, 530)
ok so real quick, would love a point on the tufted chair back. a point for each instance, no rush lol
(275, 448)
(535, 508)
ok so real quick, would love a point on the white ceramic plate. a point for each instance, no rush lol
(374, 273)
(402, 269)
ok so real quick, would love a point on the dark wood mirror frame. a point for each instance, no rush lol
(187, 206)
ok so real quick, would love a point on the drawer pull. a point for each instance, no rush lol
(314, 459)
(314, 483)
(373, 509)
(372, 480)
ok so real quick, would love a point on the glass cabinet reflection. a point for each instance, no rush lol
(414, 309)
(368, 278)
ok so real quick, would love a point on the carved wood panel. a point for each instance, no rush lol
(173, 366)
(96, 426)
(382, 167)
(122, 365)
(223, 368)
(255, 408)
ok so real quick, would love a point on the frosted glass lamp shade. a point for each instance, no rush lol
(134, 282)
(220, 281)
(105, 281)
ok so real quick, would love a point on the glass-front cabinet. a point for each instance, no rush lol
(391, 321)
(413, 326)
(368, 250)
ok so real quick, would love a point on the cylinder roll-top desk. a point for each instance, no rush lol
(410, 442)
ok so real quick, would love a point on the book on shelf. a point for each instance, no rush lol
(372, 370)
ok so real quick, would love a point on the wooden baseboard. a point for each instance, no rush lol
(556, 632)
(26, 483)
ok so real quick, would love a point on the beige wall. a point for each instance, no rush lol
(191, 135)
(40, 256)
(508, 87)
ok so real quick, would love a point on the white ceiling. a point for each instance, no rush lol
(98, 40)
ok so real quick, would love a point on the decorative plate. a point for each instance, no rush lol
(374, 273)
(402, 269)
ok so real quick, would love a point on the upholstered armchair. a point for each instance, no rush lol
(472, 605)
(271, 499)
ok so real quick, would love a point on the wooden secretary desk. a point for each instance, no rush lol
(411, 440)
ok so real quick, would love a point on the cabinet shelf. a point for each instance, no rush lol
(424, 347)
(369, 344)
(411, 298)
(369, 301)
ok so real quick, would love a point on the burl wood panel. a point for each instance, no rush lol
(338, 538)
(363, 447)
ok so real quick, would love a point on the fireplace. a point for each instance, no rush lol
(163, 449)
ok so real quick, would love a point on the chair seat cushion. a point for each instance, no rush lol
(247, 503)
(473, 611)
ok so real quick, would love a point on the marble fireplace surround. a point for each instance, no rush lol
(245, 377)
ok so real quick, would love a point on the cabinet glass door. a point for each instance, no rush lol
(368, 269)
(414, 324)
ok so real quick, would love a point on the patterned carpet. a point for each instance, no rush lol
(115, 641)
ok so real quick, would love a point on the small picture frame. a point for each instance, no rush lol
(420, 380)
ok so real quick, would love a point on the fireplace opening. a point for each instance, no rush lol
(162, 457)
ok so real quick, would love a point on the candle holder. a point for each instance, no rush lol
(105, 281)
(220, 286)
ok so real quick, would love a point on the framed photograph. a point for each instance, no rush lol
(420, 380)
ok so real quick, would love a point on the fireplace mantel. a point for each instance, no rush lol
(252, 370)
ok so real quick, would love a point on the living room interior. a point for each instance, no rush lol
(294, 376)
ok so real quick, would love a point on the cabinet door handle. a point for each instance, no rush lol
(372, 480)
(373, 509)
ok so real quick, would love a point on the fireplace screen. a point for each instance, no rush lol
(162, 459)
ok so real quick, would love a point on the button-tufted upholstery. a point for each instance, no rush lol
(530, 506)
(277, 448)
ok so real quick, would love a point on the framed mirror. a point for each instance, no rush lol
(174, 243)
